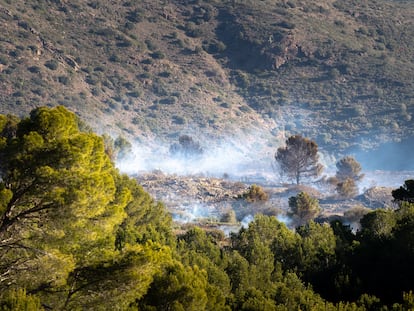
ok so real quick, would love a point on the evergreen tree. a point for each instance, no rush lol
(348, 167)
(405, 193)
(61, 204)
(299, 158)
(303, 208)
(347, 175)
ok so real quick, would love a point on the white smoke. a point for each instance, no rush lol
(193, 211)
(233, 157)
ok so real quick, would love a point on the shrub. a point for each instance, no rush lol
(225, 105)
(52, 64)
(179, 120)
(64, 80)
(150, 45)
(91, 80)
(135, 16)
(229, 217)
(255, 193)
(168, 101)
(164, 74)
(114, 58)
(157, 55)
(287, 25)
(134, 94)
(34, 69)
(3, 60)
(192, 30)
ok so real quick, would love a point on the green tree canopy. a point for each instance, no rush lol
(303, 207)
(347, 175)
(61, 204)
(405, 192)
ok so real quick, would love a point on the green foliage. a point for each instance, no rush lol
(118, 281)
(52, 64)
(347, 175)
(18, 300)
(62, 203)
(196, 248)
(379, 254)
(229, 217)
(303, 207)
(77, 235)
(318, 245)
(177, 288)
(255, 193)
(146, 219)
(405, 193)
(122, 147)
(377, 225)
(299, 158)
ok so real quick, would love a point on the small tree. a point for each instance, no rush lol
(186, 147)
(299, 158)
(122, 147)
(303, 207)
(347, 175)
(348, 167)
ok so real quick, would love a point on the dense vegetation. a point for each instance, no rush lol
(77, 235)
(334, 70)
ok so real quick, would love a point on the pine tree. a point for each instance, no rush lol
(299, 158)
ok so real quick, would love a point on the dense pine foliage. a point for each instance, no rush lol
(75, 234)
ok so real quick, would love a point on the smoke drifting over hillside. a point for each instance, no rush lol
(231, 157)
(251, 159)
(187, 190)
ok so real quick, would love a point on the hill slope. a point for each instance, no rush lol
(336, 71)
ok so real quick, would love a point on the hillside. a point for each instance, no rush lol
(340, 72)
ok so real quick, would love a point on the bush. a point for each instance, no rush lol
(52, 64)
(192, 30)
(134, 94)
(287, 25)
(157, 55)
(114, 58)
(255, 193)
(229, 217)
(34, 69)
(168, 101)
(64, 80)
(179, 120)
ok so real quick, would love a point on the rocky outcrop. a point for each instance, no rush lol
(174, 190)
